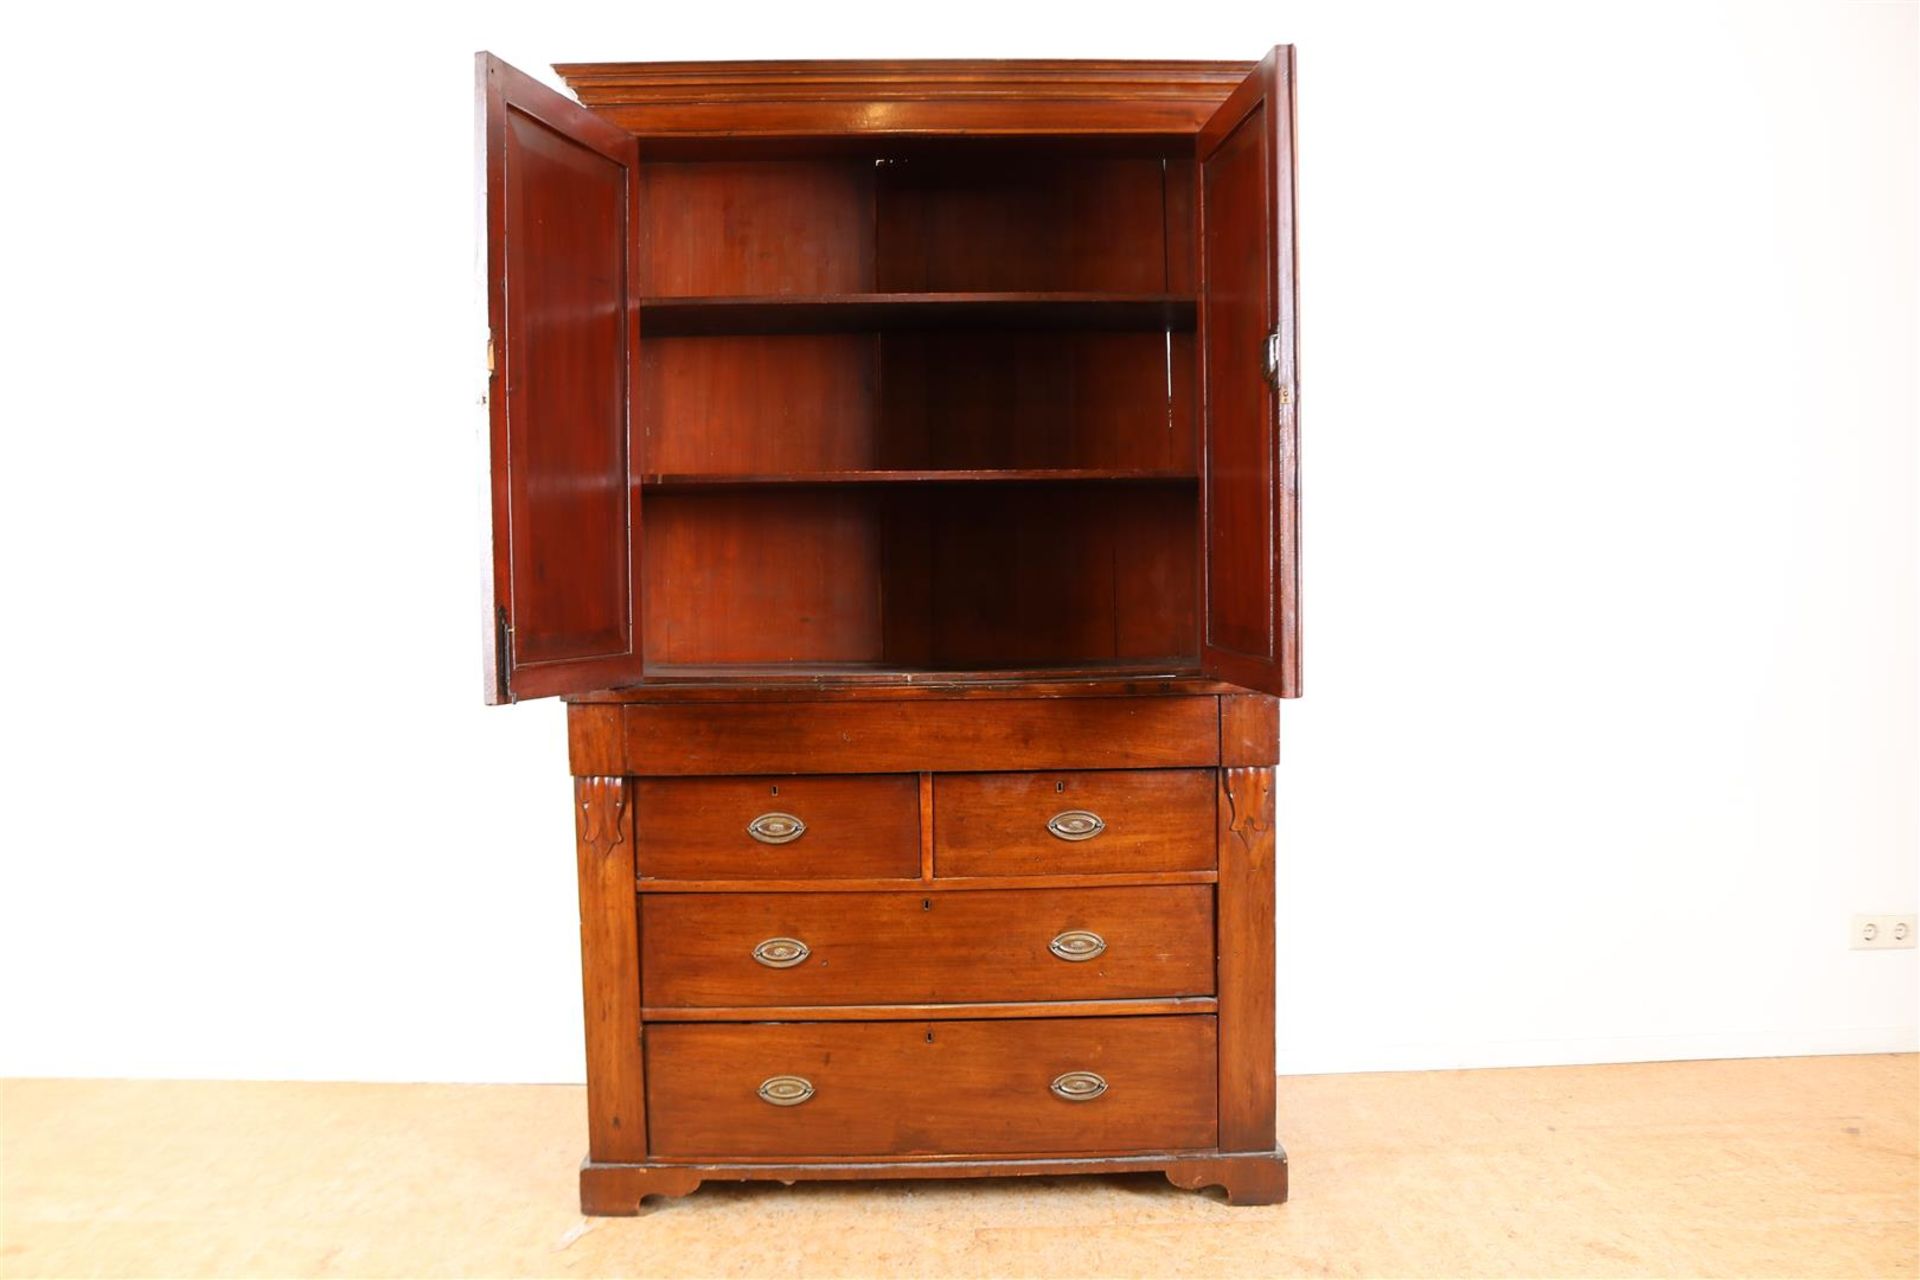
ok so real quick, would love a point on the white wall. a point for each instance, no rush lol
(1609, 400)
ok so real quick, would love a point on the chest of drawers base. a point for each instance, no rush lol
(927, 934)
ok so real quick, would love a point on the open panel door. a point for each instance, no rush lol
(559, 193)
(1248, 494)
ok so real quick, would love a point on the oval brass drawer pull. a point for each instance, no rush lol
(781, 953)
(1079, 1086)
(791, 1091)
(1077, 944)
(1076, 824)
(776, 828)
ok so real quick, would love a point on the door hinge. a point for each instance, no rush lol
(489, 353)
(503, 652)
(1270, 363)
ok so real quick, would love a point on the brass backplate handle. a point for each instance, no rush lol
(790, 1091)
(776, 828)
(1077, 944)
(781, 953)
(1076, 824)
(1079, 1086)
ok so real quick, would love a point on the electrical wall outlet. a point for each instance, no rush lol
(1882, 933)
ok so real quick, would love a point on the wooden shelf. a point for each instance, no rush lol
(1176, 677)
(854, 312)
(671, 482)
(1167, 671)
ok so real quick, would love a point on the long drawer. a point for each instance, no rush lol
(761, 949)
(1050, 1086)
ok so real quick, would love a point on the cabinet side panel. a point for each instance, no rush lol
(610, 970)
(1246, 978)
(593, 741)
(1249, 729)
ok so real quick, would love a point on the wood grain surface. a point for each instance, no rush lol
(905, 1088)
(995, 824)
(697, 828)
(904, 948)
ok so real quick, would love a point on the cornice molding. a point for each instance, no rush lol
(932, 97)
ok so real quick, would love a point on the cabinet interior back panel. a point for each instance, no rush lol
(1059, 573)
(758, 405)
(762, 578)
(922, 576)
(757, 227)
(1023, 399)
(923, 222)
(918, 576)
(988, 223)
(762, 405)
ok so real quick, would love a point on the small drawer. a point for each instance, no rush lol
(778, 828)
(1041, 1086)
(726, 950)
(1012, 824)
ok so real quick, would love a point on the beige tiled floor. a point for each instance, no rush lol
(1791, 1167)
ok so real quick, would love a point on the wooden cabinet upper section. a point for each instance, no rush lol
(902, 369)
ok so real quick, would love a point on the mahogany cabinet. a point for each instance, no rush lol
(894, 465)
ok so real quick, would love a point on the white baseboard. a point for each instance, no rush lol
(1453, 1056)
